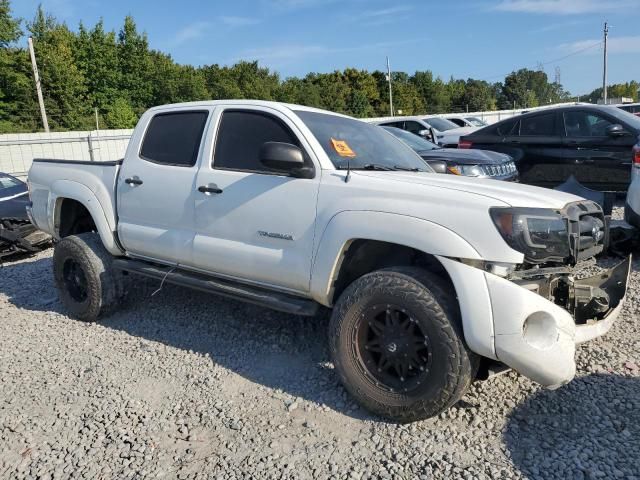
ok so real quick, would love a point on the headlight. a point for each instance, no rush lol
(540, 234)
(466, 170)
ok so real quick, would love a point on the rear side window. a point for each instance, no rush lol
(502, 129)
(174, 138)
(240, 136)
(539, 125)
(393, 124)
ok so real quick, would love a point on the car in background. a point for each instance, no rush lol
(435, 129)
(468, 163)
(632, 205)
(594, 143)
(17, 233)
(468, 121)
(633, 108)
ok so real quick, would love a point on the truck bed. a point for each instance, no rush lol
(86, 181)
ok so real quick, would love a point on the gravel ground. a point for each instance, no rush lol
(183, 385)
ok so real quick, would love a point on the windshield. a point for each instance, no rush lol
(419, 144)
(359, 144)
(626, 117)
(441, 124)
(476, 122)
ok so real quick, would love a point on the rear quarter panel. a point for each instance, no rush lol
(91, 184)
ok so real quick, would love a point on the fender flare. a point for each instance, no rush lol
(67, 189)
(428, 237)
(346, 226)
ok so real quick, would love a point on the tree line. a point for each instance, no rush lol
(115, 76)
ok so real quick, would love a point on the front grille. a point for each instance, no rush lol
(501, 170)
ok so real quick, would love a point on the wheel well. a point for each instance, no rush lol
(74, 218)
(365, 256)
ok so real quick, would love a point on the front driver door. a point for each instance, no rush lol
(156, 186)
(601, 162)
(256, 224)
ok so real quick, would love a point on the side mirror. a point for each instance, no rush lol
(428, 134)
(615, 130)
(285, 157)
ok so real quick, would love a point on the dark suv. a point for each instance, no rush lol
(592, 142)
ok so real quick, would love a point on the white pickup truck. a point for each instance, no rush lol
(432, 279)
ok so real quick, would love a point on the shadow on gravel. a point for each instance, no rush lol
(280, 351)
(587, 429)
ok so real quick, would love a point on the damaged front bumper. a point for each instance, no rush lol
(540, 315)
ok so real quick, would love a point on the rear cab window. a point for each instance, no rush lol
(173, 138)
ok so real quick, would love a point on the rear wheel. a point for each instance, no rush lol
(87, 283)
(397, 345)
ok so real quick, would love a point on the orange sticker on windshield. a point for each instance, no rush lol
(343, 148)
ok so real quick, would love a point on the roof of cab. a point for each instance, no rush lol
(256, 103)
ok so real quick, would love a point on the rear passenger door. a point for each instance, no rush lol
(542, 162)
(259, 224)
(600, 161)
(155, 190)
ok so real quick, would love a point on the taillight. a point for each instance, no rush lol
(636, 156)
(465, 144)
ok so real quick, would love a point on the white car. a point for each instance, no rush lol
(468, 121)
(435, 129)
(632, 205)
(430, 278)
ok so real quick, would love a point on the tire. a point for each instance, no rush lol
(86, 281)
(422, 323)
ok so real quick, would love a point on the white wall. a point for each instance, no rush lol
(489, 116)
(17, 150)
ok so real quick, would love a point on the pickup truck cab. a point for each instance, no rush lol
(430, 277)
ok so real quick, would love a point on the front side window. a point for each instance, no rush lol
(539, 125)
(241, 135)
(414, 127)
(360, 145)
(174, 138)
(585, 124)
(419, 144)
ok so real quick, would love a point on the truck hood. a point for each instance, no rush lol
(513, 194)
(465, 157)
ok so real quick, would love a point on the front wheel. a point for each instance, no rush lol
(87, 283)
(397, 344)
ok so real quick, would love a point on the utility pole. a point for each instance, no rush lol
(390, 89)
(604, 73)
(43, 112)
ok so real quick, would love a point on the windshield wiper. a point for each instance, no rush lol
(373, 166)
(407, 169)
(377, 166)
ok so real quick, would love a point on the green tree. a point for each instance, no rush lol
(62, 81)
(97, 58)
(134, 66)
(120, 114)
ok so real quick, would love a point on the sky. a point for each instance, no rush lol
(481, 39)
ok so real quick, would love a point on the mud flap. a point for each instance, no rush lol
(595, 297)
